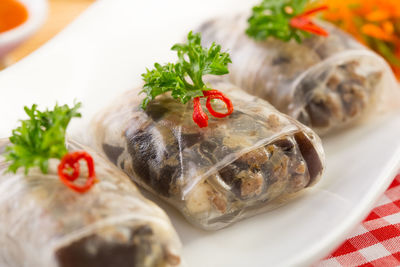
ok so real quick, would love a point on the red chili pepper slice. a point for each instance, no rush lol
(71, 160)
(304, 23)
(201, 118)
(214, 94)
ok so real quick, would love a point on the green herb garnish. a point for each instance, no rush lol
(283, 19)
(185, 78)
(40, 138)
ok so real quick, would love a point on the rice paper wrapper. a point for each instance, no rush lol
(44, 223)
(325, 83)
(236, 167)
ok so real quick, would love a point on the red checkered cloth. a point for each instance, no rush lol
(376, 241)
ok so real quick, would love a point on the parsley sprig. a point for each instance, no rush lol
(40, 137)
(185, 77)
(272, 18)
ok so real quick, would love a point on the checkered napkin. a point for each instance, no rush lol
(376, 241)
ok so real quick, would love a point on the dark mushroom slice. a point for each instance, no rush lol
(311, 156)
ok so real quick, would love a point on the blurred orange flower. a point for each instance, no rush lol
(375, 23)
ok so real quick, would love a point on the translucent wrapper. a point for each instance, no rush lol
(236, 167)
(325, 83)
(44, 223)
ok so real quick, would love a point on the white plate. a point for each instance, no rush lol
(104, 52)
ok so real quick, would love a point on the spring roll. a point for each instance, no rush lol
(326, 83)
(44, 223)
(236, 167)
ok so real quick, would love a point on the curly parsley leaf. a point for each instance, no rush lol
(185, 77)
(272, 18)
(40, 137)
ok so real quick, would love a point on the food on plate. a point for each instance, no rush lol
(216, 175)
(235, 167)
(313, 72)
(52, 216)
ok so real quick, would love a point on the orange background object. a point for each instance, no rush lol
(375, 23)
(12, 14)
